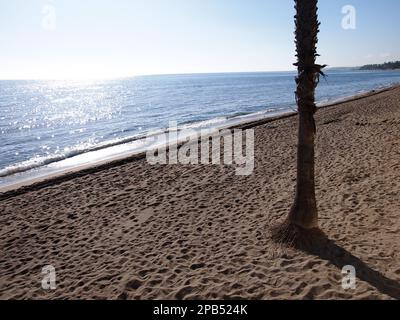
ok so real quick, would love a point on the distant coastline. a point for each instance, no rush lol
(384, 66)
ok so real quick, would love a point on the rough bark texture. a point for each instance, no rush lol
(304, 211)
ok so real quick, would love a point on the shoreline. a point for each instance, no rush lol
(50, 179)
(166, 232)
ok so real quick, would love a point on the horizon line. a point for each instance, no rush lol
(158, 74)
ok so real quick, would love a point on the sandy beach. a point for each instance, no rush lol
(136, 231)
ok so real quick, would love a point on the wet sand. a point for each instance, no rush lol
(129, 230)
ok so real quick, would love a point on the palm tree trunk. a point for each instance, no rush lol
(304, 211)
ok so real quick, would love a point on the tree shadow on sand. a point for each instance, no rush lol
(316, 243)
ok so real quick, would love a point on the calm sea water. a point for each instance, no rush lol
(43, 122)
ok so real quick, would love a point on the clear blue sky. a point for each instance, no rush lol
(112, 38)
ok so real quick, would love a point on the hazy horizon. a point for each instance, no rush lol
(165, 74)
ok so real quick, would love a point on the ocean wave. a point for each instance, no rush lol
(39, 161)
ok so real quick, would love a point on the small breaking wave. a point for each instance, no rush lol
(40, 161)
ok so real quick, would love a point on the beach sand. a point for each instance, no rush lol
(136, 231)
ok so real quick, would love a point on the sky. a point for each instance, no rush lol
(77, 39)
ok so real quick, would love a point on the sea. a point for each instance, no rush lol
(48, 127)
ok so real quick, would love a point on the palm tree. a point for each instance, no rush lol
(304, 212)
